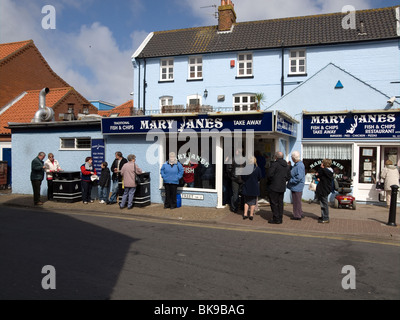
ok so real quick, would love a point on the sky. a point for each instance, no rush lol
(91, 42)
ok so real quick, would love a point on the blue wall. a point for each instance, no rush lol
(27, 145)
(376, 63)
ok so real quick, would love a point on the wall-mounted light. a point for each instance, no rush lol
(205, 93)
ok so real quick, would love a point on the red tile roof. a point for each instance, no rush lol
(7, 49)
(23, 110)
(124, 110)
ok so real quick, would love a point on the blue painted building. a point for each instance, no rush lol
(316, 81)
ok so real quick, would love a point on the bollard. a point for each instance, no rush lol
(393, 206)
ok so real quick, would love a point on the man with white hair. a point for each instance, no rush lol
(296, 185)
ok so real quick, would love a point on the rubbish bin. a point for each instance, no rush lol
(142, 193)
(3, 174)
(67, 186)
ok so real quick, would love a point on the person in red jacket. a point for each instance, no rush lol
(87, 171)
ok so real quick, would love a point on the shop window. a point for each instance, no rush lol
(341, 168)
(367, 165)
(75, 143)
(196, 157)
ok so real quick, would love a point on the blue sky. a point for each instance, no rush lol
(92, 44)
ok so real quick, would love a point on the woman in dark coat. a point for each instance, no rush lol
(251, 189)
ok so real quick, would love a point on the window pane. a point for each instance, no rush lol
(68, 143)
(83, 143)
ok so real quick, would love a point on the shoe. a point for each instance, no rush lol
(251, 218)
(102, 201)
(130, 208)
(274, 222)
(245, 217)
(121, 207)
(91, 201)
(295, 218)
(323, 221)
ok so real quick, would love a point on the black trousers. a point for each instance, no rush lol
(170, 195)
(36, 190)
(276, 202)
(49, 189)
(86, 191)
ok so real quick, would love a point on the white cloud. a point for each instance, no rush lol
(89, 60)
(250, 10)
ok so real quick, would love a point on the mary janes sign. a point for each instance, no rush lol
(370, 125)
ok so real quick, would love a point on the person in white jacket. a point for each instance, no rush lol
(390, 174)
(52, 166)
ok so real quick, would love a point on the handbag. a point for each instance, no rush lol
(137, 178)
(312, 186)
(380, 185)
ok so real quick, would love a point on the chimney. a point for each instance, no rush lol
(226, 15)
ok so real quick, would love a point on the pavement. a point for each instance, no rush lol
(368, 223)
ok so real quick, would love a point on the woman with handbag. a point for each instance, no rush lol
(390, 175)
(129, 172)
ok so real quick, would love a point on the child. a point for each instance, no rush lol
(104, 183)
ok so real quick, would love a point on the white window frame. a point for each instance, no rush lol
(295, 60)
(165, 68)
(243, 67)
(76, 143)
(194, 97)
(166, 101)
(197, 66)
(243, 105)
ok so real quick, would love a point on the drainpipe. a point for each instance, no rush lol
(283, 70)
(144, 88)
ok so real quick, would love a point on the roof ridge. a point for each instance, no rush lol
(319, 15)
(279, 19)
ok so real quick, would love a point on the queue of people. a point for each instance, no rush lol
(242, 189)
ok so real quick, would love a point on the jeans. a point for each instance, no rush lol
(103, 193)
(323, 200)
(128, 195)
(114, 195)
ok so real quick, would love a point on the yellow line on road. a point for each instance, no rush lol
(240, 229)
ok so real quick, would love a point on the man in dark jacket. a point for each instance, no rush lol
(277, 176)
(116, 176)
(324, 188)
(37, 176)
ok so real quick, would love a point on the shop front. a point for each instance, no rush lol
(203, 143)
(358, 142)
